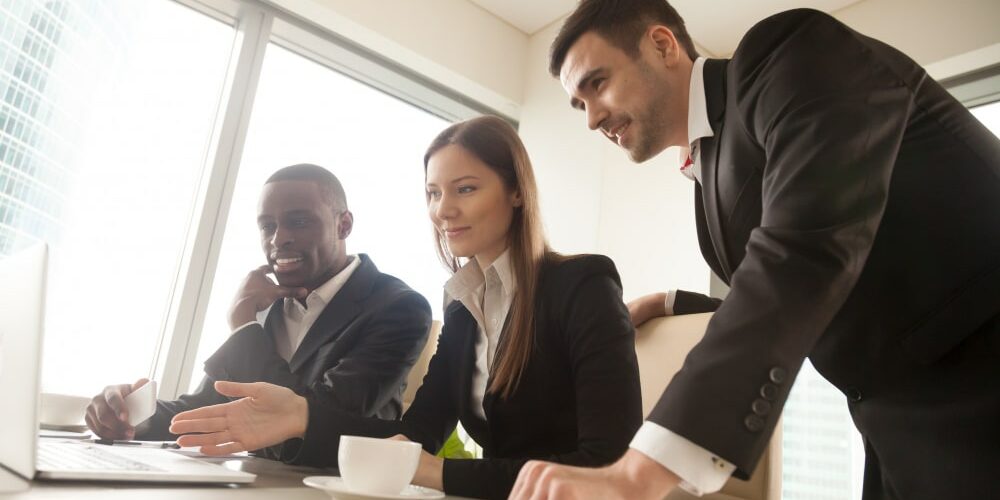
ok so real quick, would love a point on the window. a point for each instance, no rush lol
(106, 115)
(989, 114)
(305, 112)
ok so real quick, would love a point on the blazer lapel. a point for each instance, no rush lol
(715, 95)
(339, 313)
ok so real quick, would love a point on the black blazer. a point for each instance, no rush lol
(355, 357)
(578, 402)
(853, 206)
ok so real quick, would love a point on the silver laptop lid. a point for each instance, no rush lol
(22, 293)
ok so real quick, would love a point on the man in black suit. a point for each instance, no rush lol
(332, 327)
(853, 207)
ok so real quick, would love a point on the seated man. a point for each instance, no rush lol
(335, 327)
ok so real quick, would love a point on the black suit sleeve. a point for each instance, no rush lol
(694, 303)
(830, 118)
(600, 343)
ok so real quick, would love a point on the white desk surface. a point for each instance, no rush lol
(275, 480)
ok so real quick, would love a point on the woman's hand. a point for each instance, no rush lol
(266, 415)
(430, 471)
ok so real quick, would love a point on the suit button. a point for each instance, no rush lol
(853, 394)
(769, 391)
(761, 407)
(753, 423)
(778, 375)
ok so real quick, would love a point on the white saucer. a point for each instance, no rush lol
(336, 488)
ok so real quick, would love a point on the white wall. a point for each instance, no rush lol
(929, 31)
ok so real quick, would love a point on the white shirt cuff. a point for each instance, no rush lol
(700, 470)
(668, 304)
(255, 322)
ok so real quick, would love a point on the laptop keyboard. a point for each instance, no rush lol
(56, 456)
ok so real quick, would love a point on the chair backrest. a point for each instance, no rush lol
(416, 376)
(661, 345)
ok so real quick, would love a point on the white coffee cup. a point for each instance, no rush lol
(377, 466)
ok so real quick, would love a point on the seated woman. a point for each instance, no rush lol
(536, 357)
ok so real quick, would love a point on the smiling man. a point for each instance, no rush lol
(852, 205)
(332, 325)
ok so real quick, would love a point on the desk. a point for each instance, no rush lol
(275, 480)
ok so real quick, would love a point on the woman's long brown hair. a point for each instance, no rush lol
(496, 143)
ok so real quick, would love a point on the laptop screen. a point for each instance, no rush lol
(22, 293)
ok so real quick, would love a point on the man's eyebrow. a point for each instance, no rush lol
(582, 84)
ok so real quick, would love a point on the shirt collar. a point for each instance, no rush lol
(698, 124)
(470, 277)
(323, 294)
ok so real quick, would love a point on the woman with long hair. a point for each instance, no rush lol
(536, 357)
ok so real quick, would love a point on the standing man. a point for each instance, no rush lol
(332, 325)
(852, 205)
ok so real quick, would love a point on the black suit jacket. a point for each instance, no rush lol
(355, 357)
(853, 206)
(578, 402)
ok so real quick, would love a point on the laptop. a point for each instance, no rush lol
(23, 278)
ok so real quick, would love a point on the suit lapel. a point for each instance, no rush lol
(715, 95)
(339, 313)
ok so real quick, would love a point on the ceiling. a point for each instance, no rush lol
(716, 26)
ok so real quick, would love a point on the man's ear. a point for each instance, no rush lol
(346, 224)
(664, 43)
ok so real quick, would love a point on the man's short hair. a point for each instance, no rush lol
(621, 23)
(328, 184)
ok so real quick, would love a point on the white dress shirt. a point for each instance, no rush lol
(700, 470)
(299, 318)
(487, 294)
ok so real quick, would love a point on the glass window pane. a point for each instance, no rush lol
(108, 110)
(374, 143)
(989, 114)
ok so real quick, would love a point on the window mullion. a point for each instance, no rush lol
(173, 364)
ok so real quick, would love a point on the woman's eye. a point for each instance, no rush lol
(434, 194)
(466, 189)
(267, 228)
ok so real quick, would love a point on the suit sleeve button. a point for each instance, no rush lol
(761, 407)
(753, 423)
(769, 391)
(778, 375)
(853, 394)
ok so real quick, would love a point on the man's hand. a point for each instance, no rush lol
(430, 470)
(107, 415)
(647, 307)
(266, 415)
(256, 293)
(633, 477)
